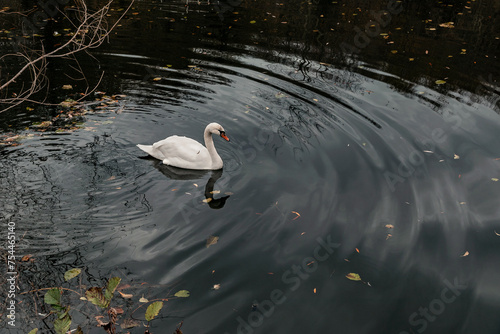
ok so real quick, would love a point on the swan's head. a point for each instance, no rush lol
(217, 129)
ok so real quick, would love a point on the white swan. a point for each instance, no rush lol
(187, 153)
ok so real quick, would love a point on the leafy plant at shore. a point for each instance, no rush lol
(102, 298)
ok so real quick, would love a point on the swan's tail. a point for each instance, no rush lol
(146, 148)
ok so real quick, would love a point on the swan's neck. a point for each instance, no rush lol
(209, 143)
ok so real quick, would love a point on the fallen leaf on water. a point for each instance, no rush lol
(389, 226)
(428, 151)
(357, 250)
(216, 287)
(298, 215)
(314, 290)
(388, 236)
(207, 200)
(67, 87)
(157, 79)
(212, 240)
(456, 156)
(353, 277)
(462, 203)
(497, 233)
(194, 184)
(494, 179)
(125, 295)
(447, 25)
(465, 254)
(143, 300)
(215, 192)
(182, 294)
(26, 257)
(129, 323)
(111, 178)
(440, 82)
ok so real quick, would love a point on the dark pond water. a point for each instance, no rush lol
(361, 144)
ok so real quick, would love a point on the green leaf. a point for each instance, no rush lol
(64, 313)
(72, 273)
(111, 287)
(353, 277)
(59, 308)
(153, 310)
(62, 325)
(95, 296)
(53, 297)
(33, 331)
(182, 293)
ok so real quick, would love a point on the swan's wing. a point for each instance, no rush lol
(183, 152)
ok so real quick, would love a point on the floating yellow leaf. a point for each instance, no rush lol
(456, 156)
(314, 290)
(143, 300)
(215, 192)
(216, 287)
(494, 179)
(67, 87)
(253, 22)
(353, 277)
(207, 200)
(157, 79)
(389, 226)
(212, 240)
(440, 82)
(465, 254)
(182, 294)
(497, 233)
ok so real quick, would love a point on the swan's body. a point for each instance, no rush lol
(187, 153)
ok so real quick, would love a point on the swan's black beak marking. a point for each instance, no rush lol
(223, 135)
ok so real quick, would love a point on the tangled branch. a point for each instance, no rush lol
(92, 29)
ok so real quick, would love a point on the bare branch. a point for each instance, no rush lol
(91, 31)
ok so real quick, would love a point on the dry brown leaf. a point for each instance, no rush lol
(207, 200)
(389, 226)
(129, 323)
(212, 240)
(26, 257)
(216, 287)
(298, 215)
(465, 254)
(125, 295)
(357, 250)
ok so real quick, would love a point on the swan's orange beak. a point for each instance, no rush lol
(223, 135)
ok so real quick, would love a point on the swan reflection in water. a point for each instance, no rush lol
(175, 173)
